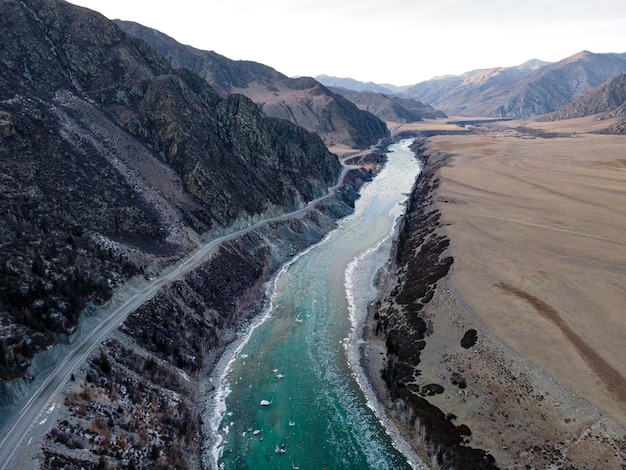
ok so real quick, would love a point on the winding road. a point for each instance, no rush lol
(21, 429)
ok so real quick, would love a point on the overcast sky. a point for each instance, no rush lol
(385, 41)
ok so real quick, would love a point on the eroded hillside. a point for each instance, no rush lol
(112, 160)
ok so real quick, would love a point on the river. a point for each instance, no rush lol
(292, 393)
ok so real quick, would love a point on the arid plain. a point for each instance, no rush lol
(536, 217)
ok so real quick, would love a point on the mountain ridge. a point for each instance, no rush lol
(303, 101)
(532, 88)
(355, 85)
(608, 100)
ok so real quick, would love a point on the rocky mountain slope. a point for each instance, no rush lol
(607, 100)
(303, 101)
(389, 107)
(139, 402)
(458, 92)
(111, 160)
(529, 89)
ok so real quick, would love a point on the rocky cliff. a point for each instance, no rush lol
(114, 161)
(303, 101)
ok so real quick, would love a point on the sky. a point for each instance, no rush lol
(399, 42)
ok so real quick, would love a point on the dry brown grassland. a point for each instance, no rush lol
(536, 217)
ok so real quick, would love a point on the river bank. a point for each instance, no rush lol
(463, 397)
(295, 361)
(398, 331)
(137, 400)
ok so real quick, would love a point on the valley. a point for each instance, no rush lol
(151, 192)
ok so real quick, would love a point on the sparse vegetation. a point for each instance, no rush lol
(422, 260)
(141, 414)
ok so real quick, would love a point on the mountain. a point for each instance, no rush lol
(355, 85)
(303, 101)
(530, 89)
(113, 161)
(477, 92)
(555, 85)
(608, 100)
(390, 107)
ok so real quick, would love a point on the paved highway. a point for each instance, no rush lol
(33, 413)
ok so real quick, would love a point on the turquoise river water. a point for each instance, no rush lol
(293, 394)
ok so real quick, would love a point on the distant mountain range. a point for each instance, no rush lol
(303, 101)
(530, 89)
(355, 85)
